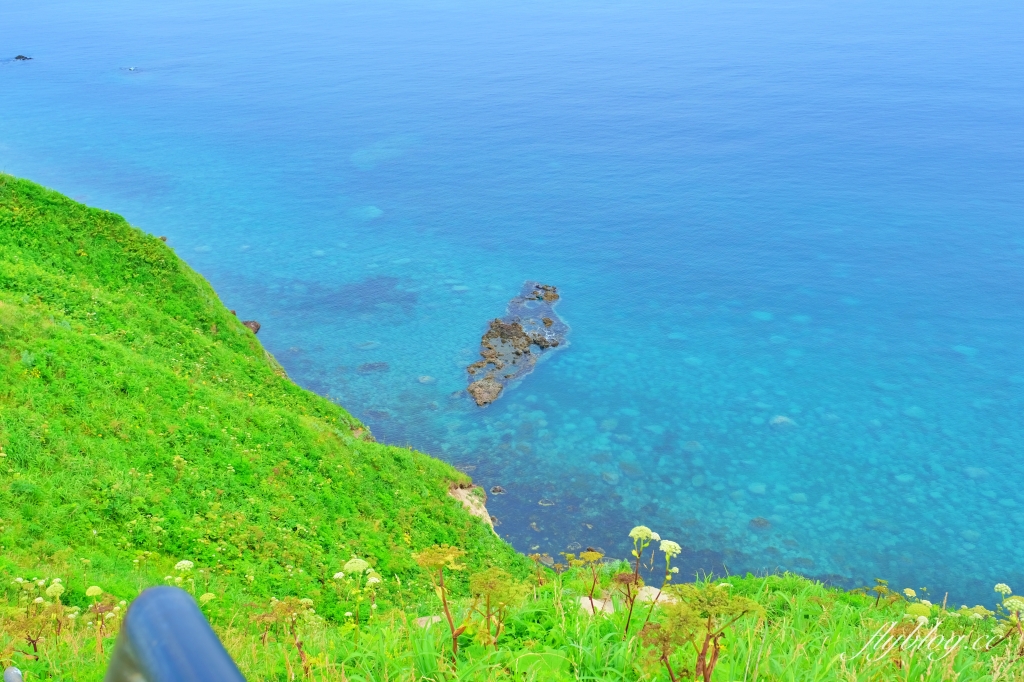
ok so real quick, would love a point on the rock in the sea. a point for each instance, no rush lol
(253, 325)
(22, 58)
(368, 367)
(512, 345)
(497, 490)
(781, 422)
(485, 391)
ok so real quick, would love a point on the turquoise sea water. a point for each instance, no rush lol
(789, 239)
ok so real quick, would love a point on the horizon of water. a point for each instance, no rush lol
(788, 239)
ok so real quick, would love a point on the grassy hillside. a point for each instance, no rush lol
(139, 420)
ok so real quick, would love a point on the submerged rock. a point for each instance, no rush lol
(512, 345)
(369, 367)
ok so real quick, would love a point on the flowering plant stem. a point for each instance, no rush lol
(448, 615)
(639, 546)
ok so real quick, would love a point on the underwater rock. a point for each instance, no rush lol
(760, 523)
(512, 345)
(252, 325)
(368, 367)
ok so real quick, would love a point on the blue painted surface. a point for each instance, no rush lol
(789, 240)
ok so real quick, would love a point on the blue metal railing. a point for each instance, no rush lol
(165, 638)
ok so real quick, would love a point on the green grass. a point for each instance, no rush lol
(141, 424)
(138, 415)
(805, 632)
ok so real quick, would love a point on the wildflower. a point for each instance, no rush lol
(41, 583)
(675, 569)
(109, 615)
(55, 590)
(207, 598)
(339, 575)
(641, 533)
(117, 608)
(168, 578)
(1003, 589)
(910, 593)
(372, 580)
(1014, 604)
(356, 565)
(348, 614)
(926, 603)
(122, 603)
(178, 580)
(724, 585)
(373, 606)
(976, 616)
(922, 620)
(94, 591)
(306, 602)
(55, 581)
(671, 549)
(19, 580)
(184, 565)
(38, 600)
(655, 536)
(73, 615)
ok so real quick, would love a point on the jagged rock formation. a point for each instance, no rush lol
(512, 345)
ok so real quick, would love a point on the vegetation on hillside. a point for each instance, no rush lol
(140, 421)
(587, 620)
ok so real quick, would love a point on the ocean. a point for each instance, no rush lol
(788, 239)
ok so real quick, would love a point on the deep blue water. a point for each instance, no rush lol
(789, 239)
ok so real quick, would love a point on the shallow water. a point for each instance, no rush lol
(788, 241)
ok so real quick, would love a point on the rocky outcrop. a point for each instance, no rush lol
(253, 325)
(512, 344)
(474, 499)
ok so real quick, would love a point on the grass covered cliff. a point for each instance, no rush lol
(140, 421)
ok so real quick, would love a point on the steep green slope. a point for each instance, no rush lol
(138, 415)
